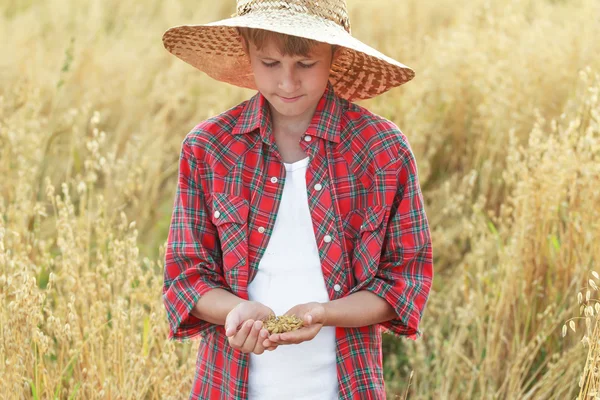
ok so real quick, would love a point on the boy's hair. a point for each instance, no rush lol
(287, 44)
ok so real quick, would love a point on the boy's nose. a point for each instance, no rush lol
(288, 82)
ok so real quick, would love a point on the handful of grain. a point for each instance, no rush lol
(284, 323)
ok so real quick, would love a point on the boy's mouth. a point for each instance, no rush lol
(289, 99)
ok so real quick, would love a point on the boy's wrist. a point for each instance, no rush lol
(326, 313)
(215, 305)
(237, 304)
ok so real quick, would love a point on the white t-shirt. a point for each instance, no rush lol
(289, 274)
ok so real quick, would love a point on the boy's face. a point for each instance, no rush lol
(293, 85)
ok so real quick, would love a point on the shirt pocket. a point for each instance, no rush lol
(229, 214)
(368, 244)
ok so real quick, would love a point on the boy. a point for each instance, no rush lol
(295, 202)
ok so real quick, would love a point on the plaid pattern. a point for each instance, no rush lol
(369, 204)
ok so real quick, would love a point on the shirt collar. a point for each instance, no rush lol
(325, 122)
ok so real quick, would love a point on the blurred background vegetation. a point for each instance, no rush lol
(503, 116)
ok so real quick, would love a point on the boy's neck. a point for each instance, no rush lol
(294, 126)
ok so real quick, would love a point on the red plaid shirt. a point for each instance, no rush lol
(368, 201)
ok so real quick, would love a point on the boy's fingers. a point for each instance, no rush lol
(290, 339)
(274, 337)
(267, 343)
(308, 319)
(259, 348)
(282, 338)
(294, 337)
(240, 337)
(232, 324)
(263, 338)
(229, 331)
(250, 342)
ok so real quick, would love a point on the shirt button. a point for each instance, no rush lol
(318, 186)
(261, 229)
(274, 179)
(217, 214)
(337, 288)
(307, 138)
(327, 238)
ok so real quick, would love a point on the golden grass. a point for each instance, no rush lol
(503, 116)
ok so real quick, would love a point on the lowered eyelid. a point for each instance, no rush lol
(302, 65)
(267, 58)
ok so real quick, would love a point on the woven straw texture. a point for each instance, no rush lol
(359, 72)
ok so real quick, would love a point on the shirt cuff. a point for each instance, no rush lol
(180, 299)
(406, 322)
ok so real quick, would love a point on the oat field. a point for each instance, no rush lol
(504, 119)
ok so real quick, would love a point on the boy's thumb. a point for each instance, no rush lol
(230, 325)
(308, 319)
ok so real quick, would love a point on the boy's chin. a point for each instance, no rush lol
(289, 110)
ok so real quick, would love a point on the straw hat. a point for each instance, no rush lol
(359, 72)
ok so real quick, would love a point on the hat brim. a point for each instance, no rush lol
(359, 71)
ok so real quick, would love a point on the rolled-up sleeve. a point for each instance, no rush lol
(405, 271)
(192, 253)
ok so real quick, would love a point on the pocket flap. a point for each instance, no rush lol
(227, 208)
(373, 217)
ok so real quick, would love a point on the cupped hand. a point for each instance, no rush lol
(244, 328)
(313, 317)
